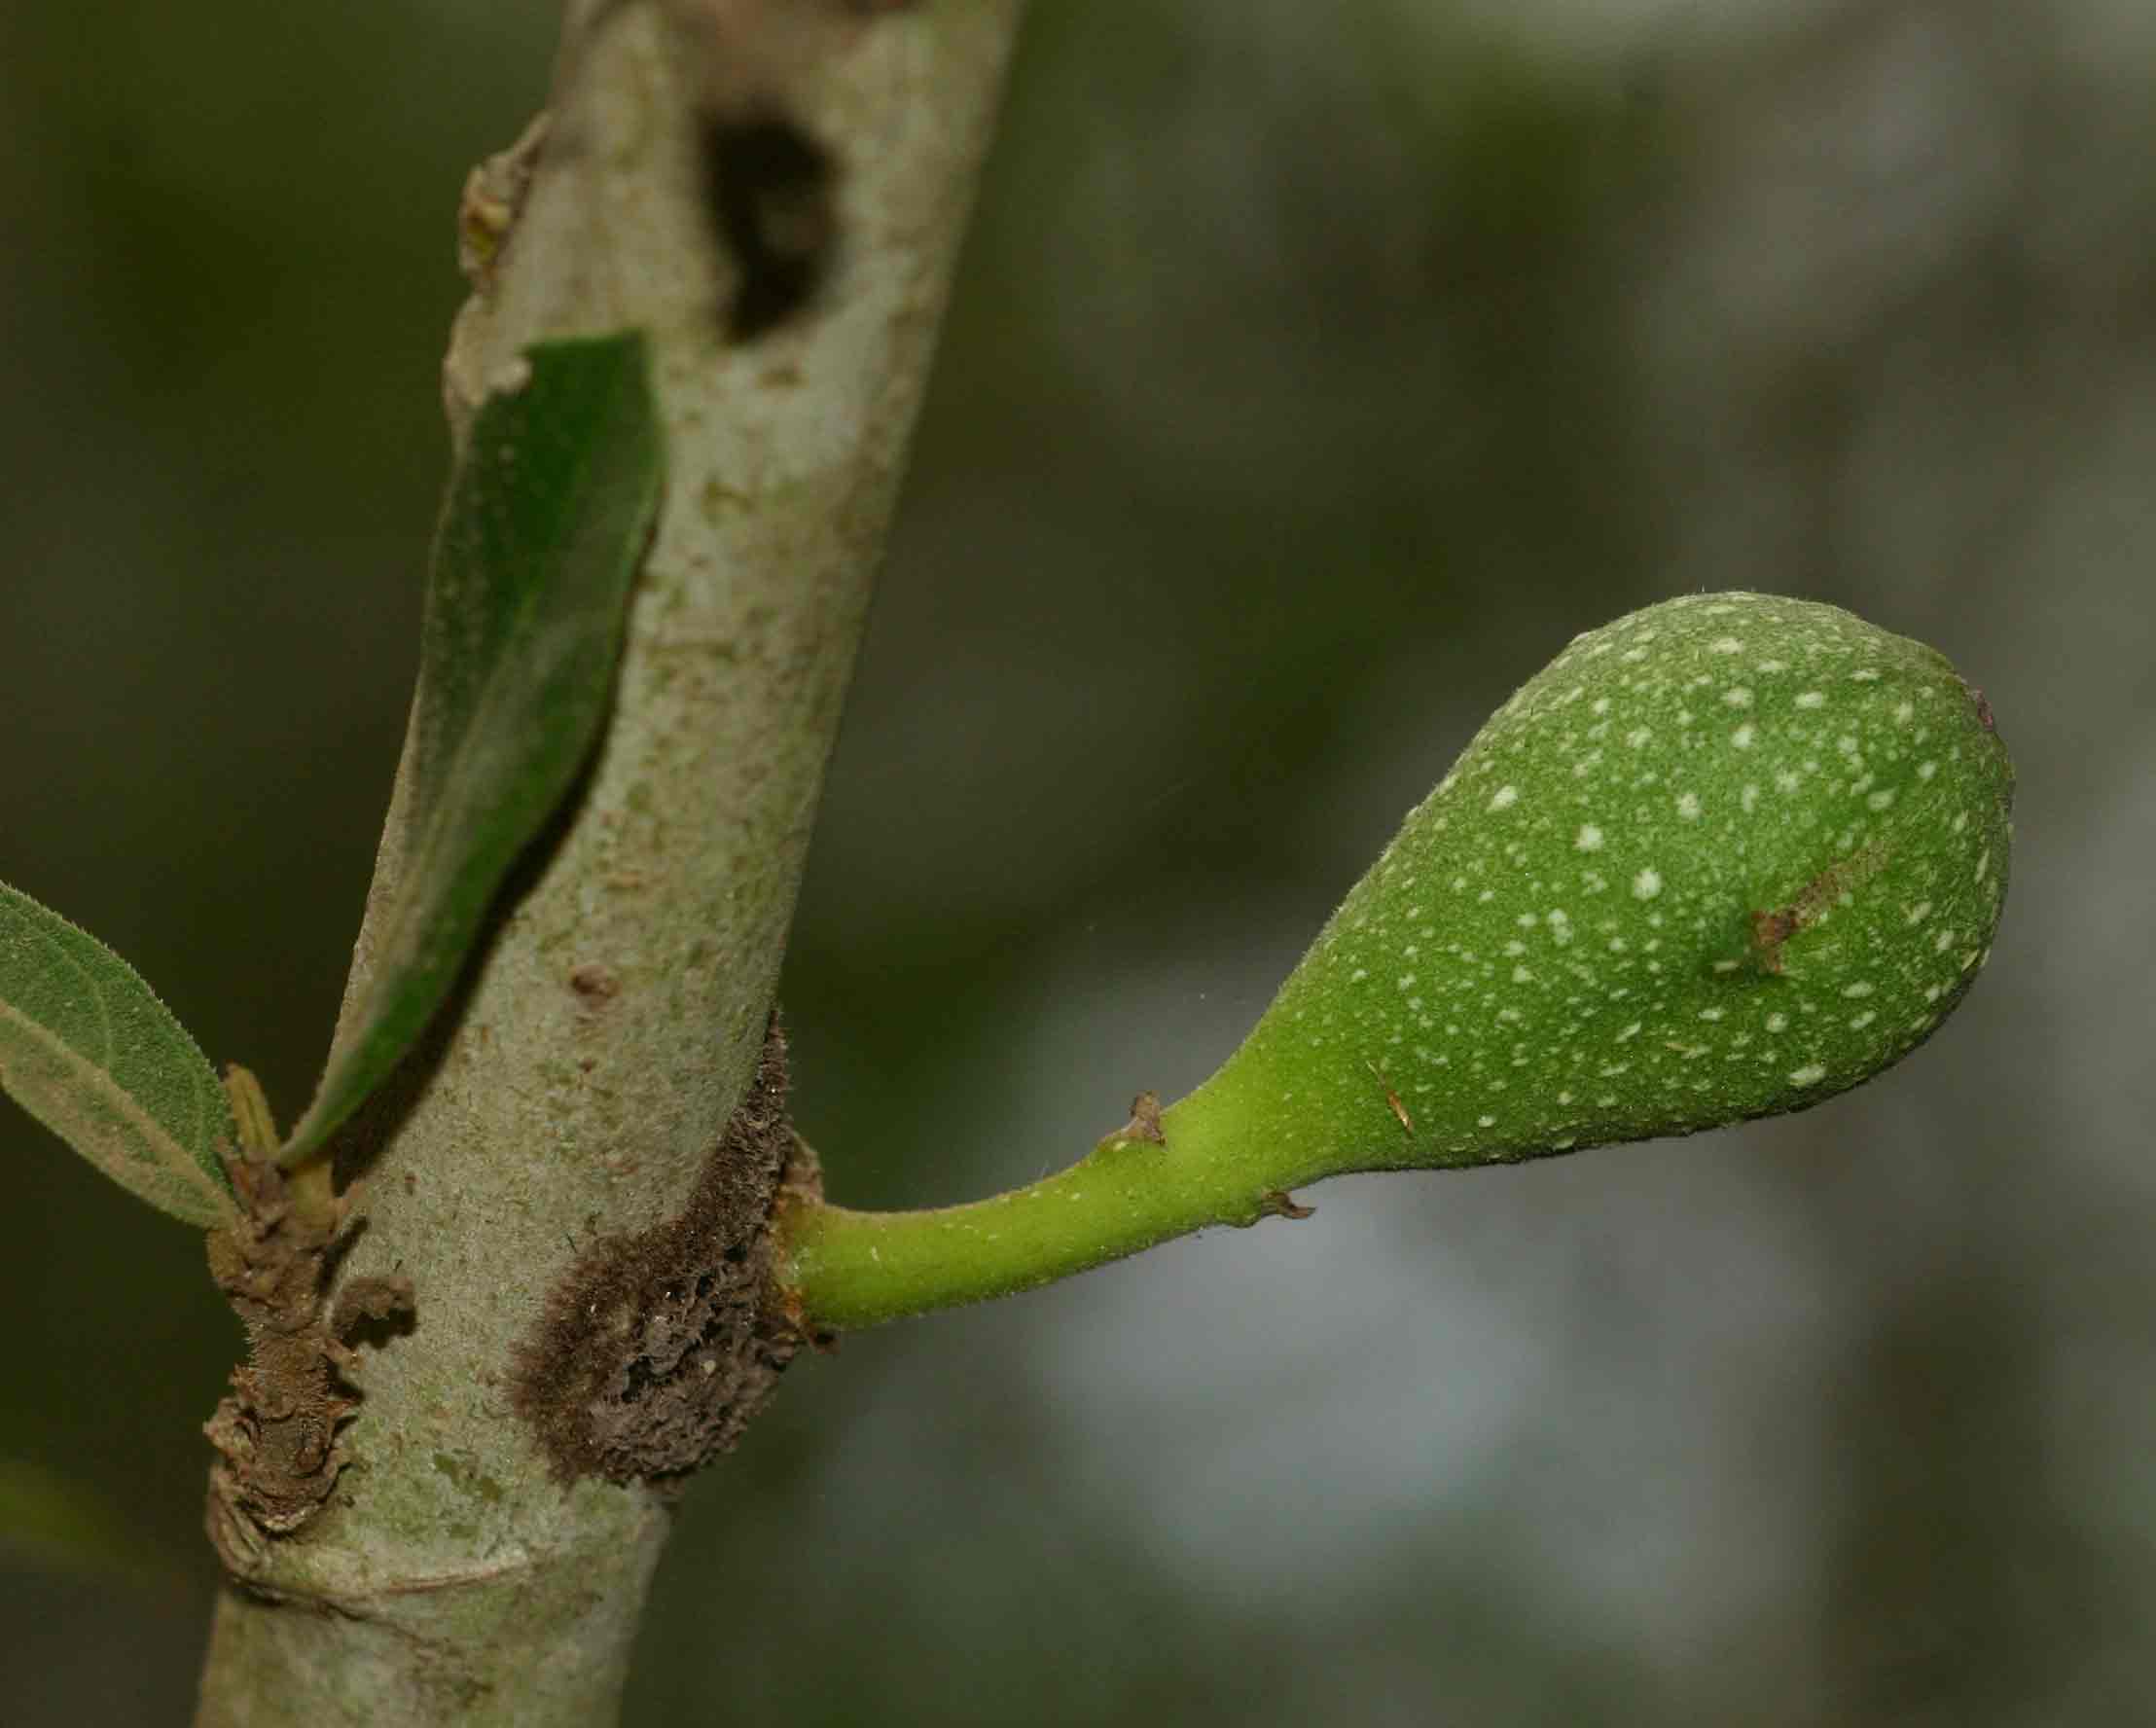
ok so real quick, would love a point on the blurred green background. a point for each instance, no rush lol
(1315, 372)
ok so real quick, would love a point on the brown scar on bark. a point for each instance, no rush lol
(275, 1433)
(771, 189)
(770, 184)
(656, 1348)
(1771, 930)
(594, 983)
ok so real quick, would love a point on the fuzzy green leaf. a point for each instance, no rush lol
(91, 1052)
(539, 546)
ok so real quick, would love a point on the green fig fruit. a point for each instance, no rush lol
(1722, 858)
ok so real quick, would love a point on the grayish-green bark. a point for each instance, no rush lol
(452, 1578)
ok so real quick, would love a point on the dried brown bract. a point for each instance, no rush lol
(1145, 1124)
(275, 1433)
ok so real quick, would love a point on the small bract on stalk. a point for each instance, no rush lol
(1722, 858)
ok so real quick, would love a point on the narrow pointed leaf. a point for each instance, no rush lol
(539, 545)
(91, 1052)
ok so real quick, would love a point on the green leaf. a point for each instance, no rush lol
(539, 545)
(88, 1050)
